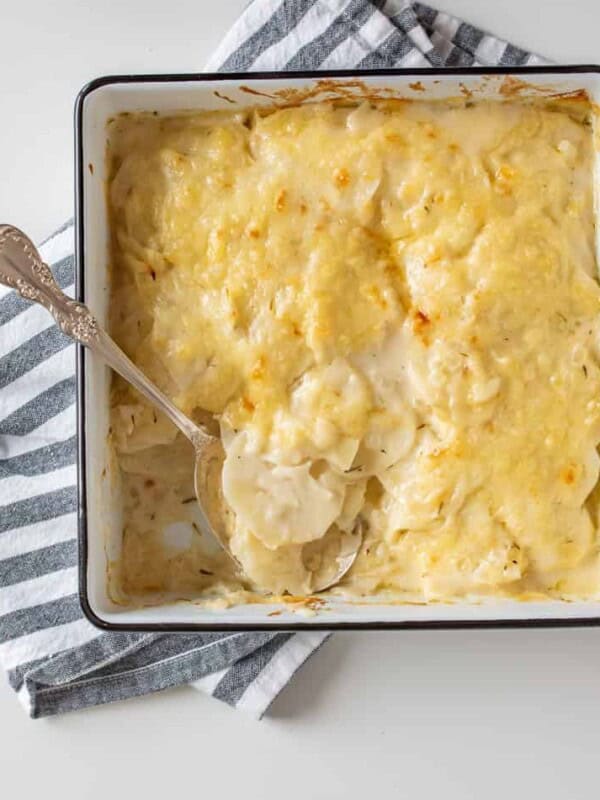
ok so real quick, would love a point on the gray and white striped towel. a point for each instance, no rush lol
(55, 660)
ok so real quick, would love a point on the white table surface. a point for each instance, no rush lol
(479, 714)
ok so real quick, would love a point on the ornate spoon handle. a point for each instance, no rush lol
(22, 268)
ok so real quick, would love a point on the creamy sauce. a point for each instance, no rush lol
(392, 312)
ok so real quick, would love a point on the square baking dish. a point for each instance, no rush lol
(99, 503)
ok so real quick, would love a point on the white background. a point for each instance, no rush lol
(482, 715)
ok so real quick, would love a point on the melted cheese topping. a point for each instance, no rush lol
(393, 313)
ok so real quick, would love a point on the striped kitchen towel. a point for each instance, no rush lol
(55, 659)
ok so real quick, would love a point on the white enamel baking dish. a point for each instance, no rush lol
(99, 504)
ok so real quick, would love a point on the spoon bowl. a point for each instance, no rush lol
(216, 518)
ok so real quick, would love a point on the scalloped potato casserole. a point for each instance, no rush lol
(391, 313)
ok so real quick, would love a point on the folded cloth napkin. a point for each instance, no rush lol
(55, 659)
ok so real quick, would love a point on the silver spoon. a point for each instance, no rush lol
(22, 269)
